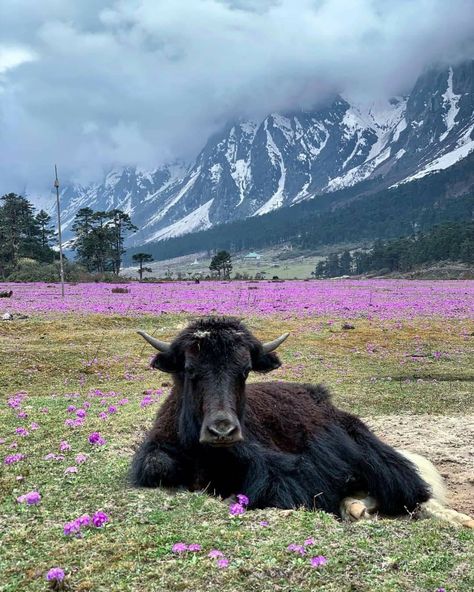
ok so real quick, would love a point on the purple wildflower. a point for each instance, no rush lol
(81, 413)
(64, 446)
(215, 554)
(72, 527)
(309, 541)
(13, 458)
(81, 458)
(223, 563)
(112, 409)
(55, 574)
(84, 520)
(99, 519)
(236, 509)
(34, 426)
(70, 470)
(22, 431)
(243, 499)
(103, 415)
(52, 456)
(194, 547)
(319, 560)
(96, 438)
(32, 498)
(296, 549)
(69, 423)
(263, 523)
(22, 414)
(179, 547)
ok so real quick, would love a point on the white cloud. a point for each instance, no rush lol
(144, 81)
(11, 57)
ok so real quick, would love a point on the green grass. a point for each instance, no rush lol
(370, 371)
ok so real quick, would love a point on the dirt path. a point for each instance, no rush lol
(448, 441)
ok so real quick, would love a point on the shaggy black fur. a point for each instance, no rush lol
(298, 449)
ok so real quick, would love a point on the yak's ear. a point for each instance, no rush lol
(166, 362)
(262, 362)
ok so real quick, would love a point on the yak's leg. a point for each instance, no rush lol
(360, 506)
(155, 464)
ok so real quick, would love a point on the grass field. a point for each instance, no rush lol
(51, 362)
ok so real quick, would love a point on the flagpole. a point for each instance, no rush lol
(61, 265)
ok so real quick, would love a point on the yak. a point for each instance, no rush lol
(283, 445)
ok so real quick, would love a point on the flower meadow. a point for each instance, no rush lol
(77, 394)
(391, 299)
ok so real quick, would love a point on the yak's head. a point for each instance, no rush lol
(210, 361)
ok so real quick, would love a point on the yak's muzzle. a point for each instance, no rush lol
(221, 429)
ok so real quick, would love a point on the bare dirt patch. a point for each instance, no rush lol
(448, 441)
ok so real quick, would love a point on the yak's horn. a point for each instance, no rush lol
(162, 346)
(272, 345)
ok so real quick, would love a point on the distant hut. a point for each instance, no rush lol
(252, 256)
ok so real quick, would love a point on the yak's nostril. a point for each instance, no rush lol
(222, 429)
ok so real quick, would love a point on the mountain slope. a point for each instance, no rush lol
(251, 168)
(342, 216)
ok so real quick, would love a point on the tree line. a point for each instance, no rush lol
(445, 242)
(26, 238)
(23, 234)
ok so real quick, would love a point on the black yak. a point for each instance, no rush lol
(283, 445)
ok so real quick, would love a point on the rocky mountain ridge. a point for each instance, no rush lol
(251, 168)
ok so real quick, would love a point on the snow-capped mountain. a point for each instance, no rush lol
(251, 168)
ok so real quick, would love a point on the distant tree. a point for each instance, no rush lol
(84, 244)
(46, 232)
(320, 270)
(345, 263)
(222, 264)
(142, 258)
(100, 238)
(120, 225)
(333, 268)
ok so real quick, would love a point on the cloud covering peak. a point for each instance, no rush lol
(91, 85)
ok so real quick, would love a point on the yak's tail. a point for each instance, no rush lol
(436, 507)
(361, 506)
(388, 476)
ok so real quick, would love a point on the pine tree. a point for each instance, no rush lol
(142, 258)
(345, 263)
(120, 224)
(83, 244)
(333, 268)
(46, 231)
(222, 264)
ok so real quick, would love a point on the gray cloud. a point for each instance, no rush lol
(93, 84)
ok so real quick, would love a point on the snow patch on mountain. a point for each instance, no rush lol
(463, 148)
(197, 220)
(450, 100)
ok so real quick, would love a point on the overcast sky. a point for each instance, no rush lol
(91, 84)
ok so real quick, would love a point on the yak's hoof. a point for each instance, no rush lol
(357, 511)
